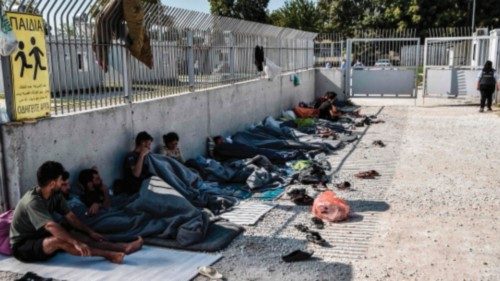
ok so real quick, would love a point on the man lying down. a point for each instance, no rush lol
(35, 235)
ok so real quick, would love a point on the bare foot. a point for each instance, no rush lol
(116, 257)
(134, 246)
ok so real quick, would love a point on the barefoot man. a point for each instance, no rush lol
(35, 236)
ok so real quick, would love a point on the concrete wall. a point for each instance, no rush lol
(330, 79)
(102, 137)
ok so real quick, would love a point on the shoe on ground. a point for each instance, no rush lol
(481, 110)
(490, 109)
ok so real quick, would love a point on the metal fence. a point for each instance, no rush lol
(90, 66)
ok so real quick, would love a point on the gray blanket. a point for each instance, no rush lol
(149, 214)
(189, 184)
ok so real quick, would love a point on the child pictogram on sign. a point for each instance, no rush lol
(37, 53)
(22, 56)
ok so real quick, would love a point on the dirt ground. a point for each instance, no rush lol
(432, 215)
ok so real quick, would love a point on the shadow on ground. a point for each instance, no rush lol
(253, 251)
(368, 206)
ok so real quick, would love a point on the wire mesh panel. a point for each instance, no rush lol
(90, 43)
(382, 67)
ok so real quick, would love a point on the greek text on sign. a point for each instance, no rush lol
(30, 76)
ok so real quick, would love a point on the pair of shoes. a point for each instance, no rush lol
(297, 255)
(481, 110)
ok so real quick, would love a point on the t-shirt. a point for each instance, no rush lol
(133, 182)
(33, 212)
(90, 197)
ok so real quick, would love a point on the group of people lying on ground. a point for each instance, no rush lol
(43, 223)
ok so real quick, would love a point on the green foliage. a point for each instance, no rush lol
(251, 10)
(298, 14)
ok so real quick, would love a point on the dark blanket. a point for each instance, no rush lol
(227, 151)
(149, 214)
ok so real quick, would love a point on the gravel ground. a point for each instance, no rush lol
(432, 215)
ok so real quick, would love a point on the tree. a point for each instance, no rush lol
(298, 14)
(251, 10)
(344, 16)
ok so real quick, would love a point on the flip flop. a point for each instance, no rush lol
(318, 223)
(302, 228)
(344, 185)
(315, 237)
(209, 272)
(297, 255)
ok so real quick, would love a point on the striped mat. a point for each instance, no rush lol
(248, 212)
(150, 263)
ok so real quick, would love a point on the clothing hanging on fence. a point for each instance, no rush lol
(259, 57)
(108, 25)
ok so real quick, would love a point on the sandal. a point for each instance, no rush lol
(379, 143)
(302, 228)
(209, 272)
(315, 237)
(344, 185)
(318, 223)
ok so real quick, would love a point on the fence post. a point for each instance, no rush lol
(231, 55)
(190, 60)
(7, 84)
(347, 73)
(127, 81)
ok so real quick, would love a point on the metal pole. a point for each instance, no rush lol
(473, 15)
(190, 61)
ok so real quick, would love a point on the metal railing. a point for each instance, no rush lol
(90, 65)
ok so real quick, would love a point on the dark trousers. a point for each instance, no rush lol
(486, 97)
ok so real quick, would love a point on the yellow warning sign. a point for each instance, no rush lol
(30, 76)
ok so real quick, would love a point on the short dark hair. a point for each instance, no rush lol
(170, 137)
(141, 137)
(217, 138)
(48, 172)
(86, 176)
(65, 175)
(331, 95)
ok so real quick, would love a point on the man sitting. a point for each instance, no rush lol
(95, 194)
(35, 236)
(134, 168)
(327, 109)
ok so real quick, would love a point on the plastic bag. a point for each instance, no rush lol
(8, 42)
(327, 206)
(271, 69)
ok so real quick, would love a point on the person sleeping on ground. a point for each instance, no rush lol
(36, 237)
(171, 147)
(95, 194)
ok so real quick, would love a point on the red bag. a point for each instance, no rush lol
(5, 221)
(305, 112)
(327, 206)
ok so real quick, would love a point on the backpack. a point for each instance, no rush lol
(487, 80)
